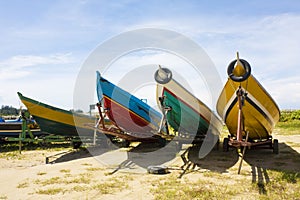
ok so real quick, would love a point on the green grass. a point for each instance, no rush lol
(288, 128)
(283, 185)
(289, 115)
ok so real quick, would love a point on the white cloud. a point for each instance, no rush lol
(285, 91)
(34, 76)
(183, 72)
(17, 66)
(55, 90)
(269, 43)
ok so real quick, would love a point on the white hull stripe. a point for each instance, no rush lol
(253, 101)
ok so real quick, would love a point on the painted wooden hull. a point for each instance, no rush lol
(11, 125)
(127, 111)
(58, 121)
(260, 111)
(12, 128)
(188, 114)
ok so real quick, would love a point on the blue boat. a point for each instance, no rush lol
(126, 111)
(13, 127)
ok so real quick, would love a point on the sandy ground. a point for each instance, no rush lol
(122, 174)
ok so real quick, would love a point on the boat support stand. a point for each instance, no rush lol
(241, 143)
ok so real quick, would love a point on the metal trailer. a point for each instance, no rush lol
(246, 142)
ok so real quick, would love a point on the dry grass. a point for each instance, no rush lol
(3, 197)
(41, 173)
(50, 191)
(282, 185)
(274, 181)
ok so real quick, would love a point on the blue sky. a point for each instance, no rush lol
(44, 43)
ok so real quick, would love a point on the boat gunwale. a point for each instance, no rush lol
(35, 102)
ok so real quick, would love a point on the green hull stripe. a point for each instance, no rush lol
(183, 117)
(58, 128)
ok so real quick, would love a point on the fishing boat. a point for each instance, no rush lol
(184, 112)
(127, 112)
(247, 109)
(58, 121)
(13, 127)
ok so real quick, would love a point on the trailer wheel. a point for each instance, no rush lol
(162, 142)
(76, 145)
(275, 146)
(217, 145)
(225, 144)
(123, 143)
(127, 143)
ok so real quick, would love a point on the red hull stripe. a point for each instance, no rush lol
(125, 108)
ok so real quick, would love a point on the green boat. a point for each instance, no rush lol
(185, 113)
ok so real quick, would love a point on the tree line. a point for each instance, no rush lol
(286, 115)
(289, 115)
(9, 110)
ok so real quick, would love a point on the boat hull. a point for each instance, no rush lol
(127, 111)
(58, 121)
(260, 112)
(188, 114)
(13, 128)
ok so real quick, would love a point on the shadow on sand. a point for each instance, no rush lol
(216, 160)
(14, 146)
(142, 155)
(262, 160)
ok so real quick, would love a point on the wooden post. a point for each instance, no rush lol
(244, 151)
(101, 119)
(239, 134)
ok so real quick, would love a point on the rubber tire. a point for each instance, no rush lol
(239, 78)
(225, 144)
(157, 170)
(275, 146)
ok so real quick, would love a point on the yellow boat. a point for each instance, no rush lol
(245, 106)
(57, 121)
